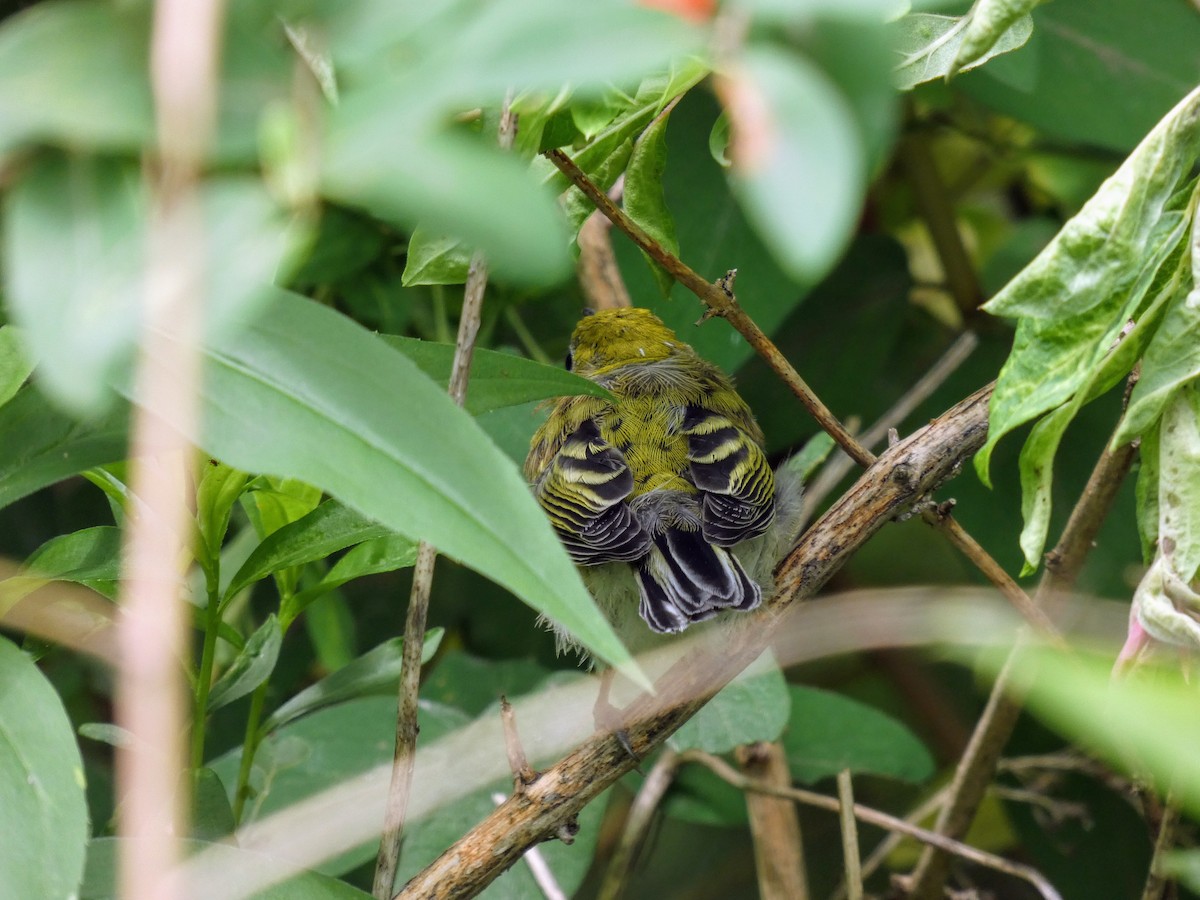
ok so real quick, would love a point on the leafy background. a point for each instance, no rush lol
(337, 450)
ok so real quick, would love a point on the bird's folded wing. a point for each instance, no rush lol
(733, 475)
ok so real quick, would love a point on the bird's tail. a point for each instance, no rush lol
(685, 579)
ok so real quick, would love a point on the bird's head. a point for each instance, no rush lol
(610, 338)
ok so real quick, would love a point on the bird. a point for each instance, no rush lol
(661, 482)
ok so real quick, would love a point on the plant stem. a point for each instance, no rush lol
(212, 620)
(249, 747)
(404, 758)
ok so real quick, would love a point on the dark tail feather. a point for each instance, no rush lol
(685, 579)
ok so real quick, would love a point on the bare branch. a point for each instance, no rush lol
(637, 824)
(774, 825)
(853, 865)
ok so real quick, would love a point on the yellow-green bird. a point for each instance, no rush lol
(666, 478)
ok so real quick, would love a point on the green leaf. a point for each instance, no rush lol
(219, 488)
(371, 557)
(40, 445)
(829, 733)
(76, 73)
(281, 397)
(446, 182)
(1183, 865)
(212, 816)
(1179, 482)
(251, 667)
(332, 745)
(645, 200)
(1173, 356)
(1077, 295)
(434, 258)
(75, 244)
(754, 707)
(44, 813)
(497, 380)
(1041, 447)
(90, 557)
(328, 528)
(1096, 80)
(15, 364)
(930, 46)
(101, 879)
(990, 25)
(375, 672)
(801, 180)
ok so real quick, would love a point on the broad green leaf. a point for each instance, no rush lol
(43, 810)
(1183, 865)
(40, 445)
(604, 175)
(930, 44)
(375, 672)
(15, 364)
(1041, 447)
(371, 557)
(1076, 296)
(306, 393)
(989, 25)
(328, 528)
(1147, 492)
(644, 199)
(1097, 80)
(811, 456)
(90, 557)
(76, 73)
(75, 247)
(828, 733)
(334, 744)
(754, 707)
(251, 667)
(800, 174)
(446, 182)
(497, 380)
(274, 502)
(101, 878)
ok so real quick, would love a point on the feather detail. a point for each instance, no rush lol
(732, 472)
(583, 491)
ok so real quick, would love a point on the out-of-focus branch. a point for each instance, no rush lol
(149, 696)
(637, 824)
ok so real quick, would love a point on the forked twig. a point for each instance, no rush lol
(726, 772)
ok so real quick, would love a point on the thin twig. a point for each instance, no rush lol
(184, 55)
(718, 297)
(853, 865)
(977, 767)
(1156, 879)
(774, 825)
(637, 824)
(727, 773)
(522, 772)
(388, 859)
(838, 467)
(894, 838)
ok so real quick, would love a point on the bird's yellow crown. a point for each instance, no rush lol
(616, 337)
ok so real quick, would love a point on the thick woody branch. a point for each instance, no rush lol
(904, 475)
